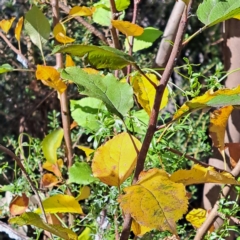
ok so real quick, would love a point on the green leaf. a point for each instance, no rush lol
(117, 96)
(5, 68)
(122, 4)
(99, 57)
(35, 220)
(51, 143)
(81, 173)
(211, 12)
(37, 26)
(102, 16)
(85, 112)
(149, 36)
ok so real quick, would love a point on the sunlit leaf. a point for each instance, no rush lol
(54, 167)
(87, 151)
(86, 234)
(50, 77)
(127, 28)
(18, 29)
(220, 98)
(85, 177)
(211, 12)
(155, 201)
(81, 11)
(115, 161)
(6, 68)
(197, 217)
(199, 174)
(85, 192)
(19, 204)
(61, 204)
(69, 62)
(6, 24)
(217, 127)
(51, 143)
(34, 219)
(145, 91)
(138, 229)
(115, 95)
(234, 152)
(59, 32)
(102, 16)
(49, 180)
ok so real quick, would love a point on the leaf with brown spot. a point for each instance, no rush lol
(19, 204)
(49, 180)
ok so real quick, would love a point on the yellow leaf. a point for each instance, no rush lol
(138, 229)
(127, 28)
(69, 61)
(55, 168)
(199, 174)
(145, 91)
(114, 161)
(59, 28)
(234, 152)
(155, 201)
(90, 70)
(84, 193)
(197, 217)
(61, 204)
(49, 180)
(86, 150)
(50, 77)
(19, 204)
(18, 29)
(59, 33)
(218, 123)
(81, 11)
(5, 25)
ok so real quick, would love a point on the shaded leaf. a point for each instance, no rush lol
(87, 151)
(138, 229)
(50, 77)
(85, 192)
(115, 161)
(211, 12)
(6, 24)
(81, 11)
(115, 95)
(54, 167)
(155, 201)
(19, 204)
(220, 98)
(127, 28)
(60, 204)
(217, 127)
(81, 173)
(6, 68)
(199, 174)
(99, 57)
(51, 143)
(86, 234)
(49, 180)
(35, 220)
(18, 29)
(149, 36)
(234, 152)
(145, 91)
(37, 26)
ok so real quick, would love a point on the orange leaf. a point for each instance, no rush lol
(50, 77)
(55, 168)
(127, 28)
(81, 11)
(73, 125)
(5, 25)
(18, 29)
(234, 152)
(49, 180)
(115, 161)
(218, 123)
(19, 204)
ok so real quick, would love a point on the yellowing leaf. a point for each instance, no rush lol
(69, 61)
(218, 123)
(81, 11)
(54, 167)
(50, 77)
(114, 161)
(199, 174)
(59, 33)
(90, 70)
(220, 98)
(84, 193)
(127, 28)
(138, 229)
(155, 201)
(86, 150)
(59, 28)
(197, 217)
(19, 204)
(61, 204)
(18, 29)
(145, 91)
(5, 25)
(49, 180)
(234, 152)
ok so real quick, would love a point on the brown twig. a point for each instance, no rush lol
(201, 232)
(154, 114)
(91, 28)
(19, 163)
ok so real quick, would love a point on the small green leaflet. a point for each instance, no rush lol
(6, 68)
(117, 96)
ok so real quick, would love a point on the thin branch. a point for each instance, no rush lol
(154, 114)
(25, 174)
(202, 231)
(91, 28)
